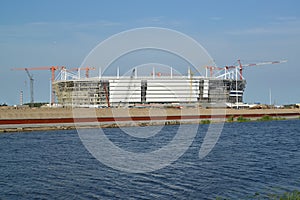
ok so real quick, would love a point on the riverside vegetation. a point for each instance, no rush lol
(231, 119)
(294, 195)
(263, 118)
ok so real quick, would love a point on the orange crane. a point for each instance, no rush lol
(211, 69)
(51, 68)
(240, 66)
(87, 69)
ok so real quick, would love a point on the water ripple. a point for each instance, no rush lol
(251, 157)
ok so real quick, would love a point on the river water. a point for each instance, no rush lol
(249, 158)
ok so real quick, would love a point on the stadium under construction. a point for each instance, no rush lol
(219, 85)
(155, 89)
(224, 85)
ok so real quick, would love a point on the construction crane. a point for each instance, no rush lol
(128, 88)
(51, 68)
(211, 69)
(87, 69)
(240, 66)
(129, 85)
(30, 76)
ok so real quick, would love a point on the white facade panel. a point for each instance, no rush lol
(128, 100)
(124, 81)
(205, 88)
(125, 84)
(160, 92)
(167, 88)
(125, 95)
(171, 100)
(115, 92)
(174, 91)
(171, 96)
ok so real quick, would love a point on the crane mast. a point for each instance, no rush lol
(87, 69)
(31, 87)
(241, 66)
(236, 70)
(51, 68)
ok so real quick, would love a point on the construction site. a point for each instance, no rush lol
(136, 99)
(219, 85)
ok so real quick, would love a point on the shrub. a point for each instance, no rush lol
(242, 119)
(230, 119)
(205, 121)
(265, 118)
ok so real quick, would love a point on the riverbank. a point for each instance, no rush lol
(34, 119)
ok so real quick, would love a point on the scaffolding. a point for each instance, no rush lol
(106, 91)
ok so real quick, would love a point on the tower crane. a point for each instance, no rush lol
(30, 76)
(128, 87)
(87, 69)
(51, 68)
(211, 69)
(240, 66)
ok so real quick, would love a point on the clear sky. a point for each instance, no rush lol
(62, 32)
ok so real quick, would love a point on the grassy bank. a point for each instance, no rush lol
(32, 119)
(294, 195)
(262, 119)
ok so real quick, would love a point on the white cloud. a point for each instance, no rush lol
(35, 30)
(279, 25)
(273, 30)
(249, 31)
(159, 21)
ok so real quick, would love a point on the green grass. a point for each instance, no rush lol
(270, 118)
(242, 119)
(265, 118)
(205, 121)
(239, 119)
(294, 195)
(280, 118)
(230, 119)
(172, 123)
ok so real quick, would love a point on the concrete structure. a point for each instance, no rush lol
(132, 90)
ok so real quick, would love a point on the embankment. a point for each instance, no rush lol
(27, 119)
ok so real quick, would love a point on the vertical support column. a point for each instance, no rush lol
(78, 73)
(51, 93)
(153, 72)
(241, 69)
(236, 88)
(53, 68)
(100, 72)
(21, 97)
(118, 73)
(270, 95)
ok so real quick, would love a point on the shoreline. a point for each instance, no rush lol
(44, 119)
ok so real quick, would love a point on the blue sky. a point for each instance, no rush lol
(44, 33)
